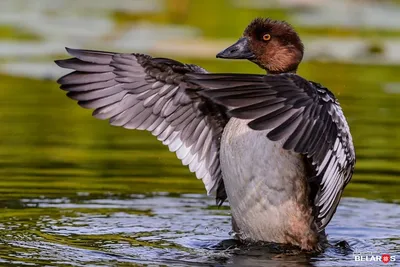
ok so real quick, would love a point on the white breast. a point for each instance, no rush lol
(266, 185)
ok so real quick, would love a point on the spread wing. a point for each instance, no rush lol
(304, 114)
(137, 91)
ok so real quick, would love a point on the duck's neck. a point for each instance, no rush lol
(289, 69)
(280, 72)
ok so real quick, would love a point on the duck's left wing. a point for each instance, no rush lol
(137, 91)
(304, 114)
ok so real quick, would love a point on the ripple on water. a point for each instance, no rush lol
(180, 230)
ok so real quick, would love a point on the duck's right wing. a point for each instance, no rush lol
(137, 91)
(304, 114)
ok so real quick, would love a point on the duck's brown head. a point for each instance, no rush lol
(271, 44)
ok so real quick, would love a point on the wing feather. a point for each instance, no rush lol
(304, 114)
(140, 92)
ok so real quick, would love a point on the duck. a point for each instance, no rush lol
(275, 145)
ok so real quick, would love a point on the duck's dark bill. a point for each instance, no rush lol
(239, 50)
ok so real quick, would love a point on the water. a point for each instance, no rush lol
(75, 191)
(184, 229)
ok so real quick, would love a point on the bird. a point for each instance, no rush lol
(276, 145)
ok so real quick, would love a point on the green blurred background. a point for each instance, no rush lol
(51, 147)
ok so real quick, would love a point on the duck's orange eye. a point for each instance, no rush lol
(266, 37)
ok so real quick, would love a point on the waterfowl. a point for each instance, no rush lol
(277, 146)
